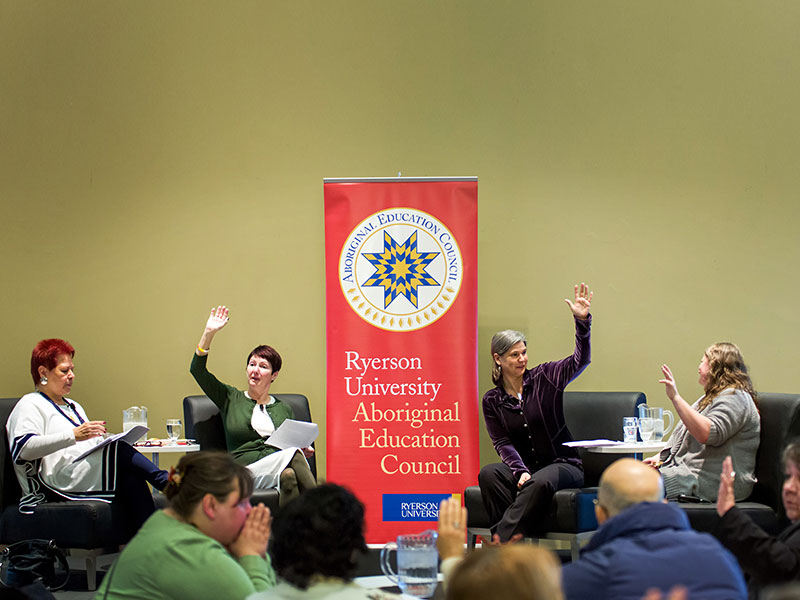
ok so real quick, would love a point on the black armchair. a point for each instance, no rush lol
(203, 423)
(780, 424)
(87, 528)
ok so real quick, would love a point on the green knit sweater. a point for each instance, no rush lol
(236, 407)
(170, 559)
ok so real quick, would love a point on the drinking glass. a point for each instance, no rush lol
(629, 430)
(173, 430)
(646, 428)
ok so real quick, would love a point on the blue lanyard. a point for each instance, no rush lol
(66, 416)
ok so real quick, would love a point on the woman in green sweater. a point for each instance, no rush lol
(209, 543)
(251, 416)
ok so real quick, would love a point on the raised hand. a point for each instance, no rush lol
(254, 536)
(218, 319)
(583, 301)
(725, 497)
(670, 387)
(452, 528)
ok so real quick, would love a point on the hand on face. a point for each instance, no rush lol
(254, 536)
(583, 301)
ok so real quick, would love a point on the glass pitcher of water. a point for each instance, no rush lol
(417, 563)
(657, 414)
(135, 415)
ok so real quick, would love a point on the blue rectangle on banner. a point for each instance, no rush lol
(412, 507)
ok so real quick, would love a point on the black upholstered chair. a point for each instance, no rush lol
(780, 424)
(589, 415)
(203, 422)
(87, 528)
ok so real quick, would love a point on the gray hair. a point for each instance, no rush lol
(502, 342)
(791, 454)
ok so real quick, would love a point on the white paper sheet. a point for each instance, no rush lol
(588, 443)
(131, 436)
(294, 434)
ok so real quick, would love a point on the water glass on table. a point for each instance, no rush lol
(173, 430)
(646, 428)
(629, 430)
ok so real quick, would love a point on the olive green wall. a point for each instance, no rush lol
(158, 158)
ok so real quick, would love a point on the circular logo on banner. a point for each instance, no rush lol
(400, 269)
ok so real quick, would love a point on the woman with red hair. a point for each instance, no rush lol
(48, 432)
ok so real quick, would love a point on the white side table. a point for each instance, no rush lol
(635, 448)
(156, 450)
(610, 447)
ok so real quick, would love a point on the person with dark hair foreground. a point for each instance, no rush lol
(724, 421)
(209, 543)
(250, 416)
(643, 542)
(766, 559)
(316, 541)
(48, 432)
(524, 417)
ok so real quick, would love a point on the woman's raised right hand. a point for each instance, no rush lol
(254, 536)
(217, 319)
(670, 387)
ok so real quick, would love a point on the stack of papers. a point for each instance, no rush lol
(130, 436)
(294, 434)
(590, 443)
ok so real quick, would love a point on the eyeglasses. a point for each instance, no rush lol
(149, 443)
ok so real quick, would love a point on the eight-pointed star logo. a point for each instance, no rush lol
(400, 269)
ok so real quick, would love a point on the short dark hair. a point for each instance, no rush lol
(321, 532)
(45, 354)
(206, 472)
(267, 353)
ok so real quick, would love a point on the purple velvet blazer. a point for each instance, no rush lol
(530, 435)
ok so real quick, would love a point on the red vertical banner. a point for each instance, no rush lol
(402, 384)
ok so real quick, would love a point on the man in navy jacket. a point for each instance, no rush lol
(644, 543)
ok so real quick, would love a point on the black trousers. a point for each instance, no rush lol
(134, 472)
(513, 510)
(132, 496)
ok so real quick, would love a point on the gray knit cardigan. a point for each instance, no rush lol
(693, 468)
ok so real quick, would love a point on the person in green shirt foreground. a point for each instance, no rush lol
(209, 543)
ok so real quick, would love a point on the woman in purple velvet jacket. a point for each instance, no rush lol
(524, 416)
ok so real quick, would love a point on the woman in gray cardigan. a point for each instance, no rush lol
(723, 422)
